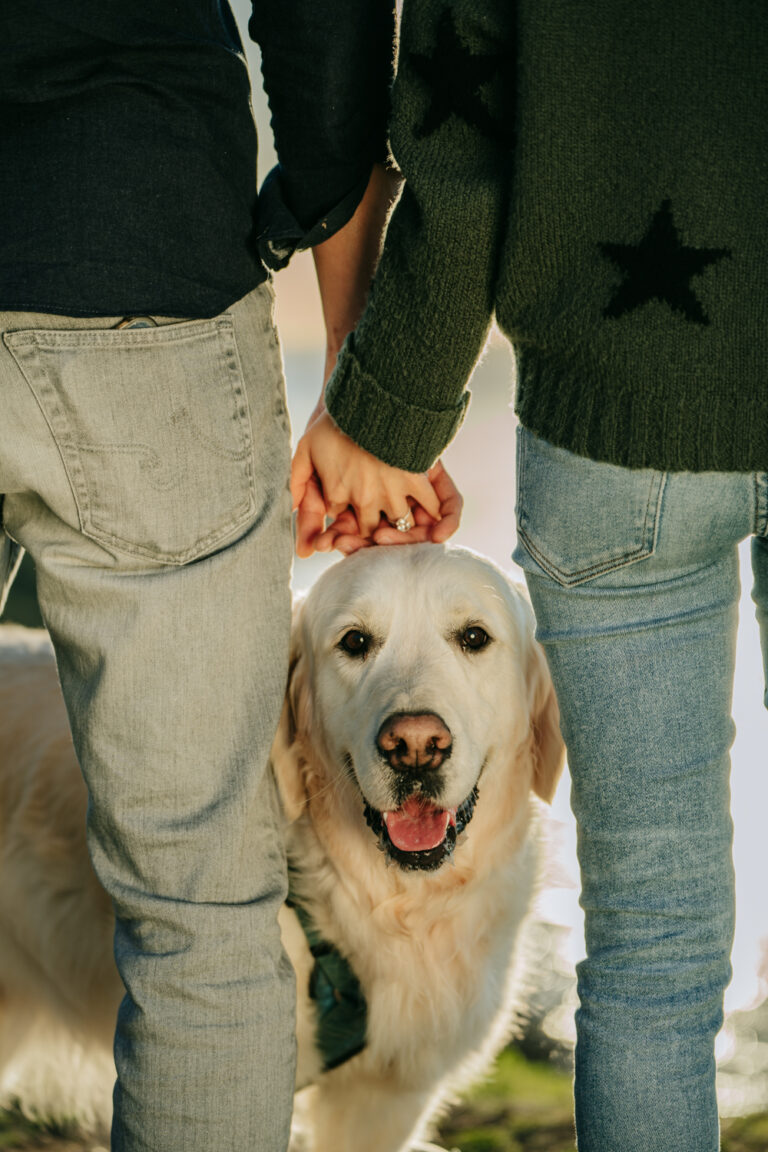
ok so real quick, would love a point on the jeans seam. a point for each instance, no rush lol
(584, 574)
(23, 347)
(622, 560)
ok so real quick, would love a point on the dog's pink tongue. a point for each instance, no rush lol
(417, 826)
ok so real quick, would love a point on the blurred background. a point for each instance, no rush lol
(527, 1103)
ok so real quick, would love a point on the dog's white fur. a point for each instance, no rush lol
(433, 950)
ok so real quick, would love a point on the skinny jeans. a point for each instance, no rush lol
(633, 575)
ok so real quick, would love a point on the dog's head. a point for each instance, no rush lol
(413, 670)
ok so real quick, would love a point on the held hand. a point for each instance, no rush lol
(426, 528)
(332, 475)
(344, 534)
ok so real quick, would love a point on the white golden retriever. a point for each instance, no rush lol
(419, 723)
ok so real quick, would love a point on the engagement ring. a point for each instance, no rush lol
(404, 523)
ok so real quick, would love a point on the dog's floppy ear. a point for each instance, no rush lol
(546, 739)
(287, 757)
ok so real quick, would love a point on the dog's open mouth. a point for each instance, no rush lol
(419, 834)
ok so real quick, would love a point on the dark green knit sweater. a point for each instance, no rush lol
(596, 174)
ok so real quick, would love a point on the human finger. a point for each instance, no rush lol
(421, 516)
(445, 488)
(301, 472)
(421, 524)
(444, 529)
(349, 544)
(310, 518)
(451, 503)
(386, 534)
(368, 514)
(402, 522)
(334, 509)
(420, 488)
(345, 524)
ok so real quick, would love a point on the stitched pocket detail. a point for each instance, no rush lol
(153, 429)
(581, 518)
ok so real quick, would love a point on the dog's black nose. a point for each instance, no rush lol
(414, 741)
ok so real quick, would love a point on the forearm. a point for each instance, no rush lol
(346, 262)
(399, 387)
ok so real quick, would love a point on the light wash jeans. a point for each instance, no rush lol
(634, 580)
(146, 471)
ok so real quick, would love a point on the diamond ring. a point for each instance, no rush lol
(404, 523)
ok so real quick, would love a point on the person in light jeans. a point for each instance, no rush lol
(144, 458)
(143, 468)
(633, 575)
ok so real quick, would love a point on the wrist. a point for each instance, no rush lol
(332, 350)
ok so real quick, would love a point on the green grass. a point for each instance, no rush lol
(522, 1106)
(526, 1106)
(746, 1133)
(20, 1135)
(515, 1077)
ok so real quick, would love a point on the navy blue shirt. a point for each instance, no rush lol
(128, 178)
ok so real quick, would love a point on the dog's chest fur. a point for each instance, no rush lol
(431, 951)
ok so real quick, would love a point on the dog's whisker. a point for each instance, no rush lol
(340, 784)
(329, 786)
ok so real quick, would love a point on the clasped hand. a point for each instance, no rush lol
(333, 478)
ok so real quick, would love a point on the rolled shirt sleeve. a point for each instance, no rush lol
(327, 68)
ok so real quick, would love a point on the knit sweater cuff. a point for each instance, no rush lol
(402, 434)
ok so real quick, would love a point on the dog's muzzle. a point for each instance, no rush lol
(419, 835)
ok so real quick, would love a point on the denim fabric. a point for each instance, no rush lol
(145, 470)
(634, 580)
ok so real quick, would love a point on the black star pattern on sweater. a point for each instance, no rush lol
(660, 267)
(455, 77)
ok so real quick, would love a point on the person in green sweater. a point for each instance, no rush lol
(594, 176)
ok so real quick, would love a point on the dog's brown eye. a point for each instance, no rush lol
(355, 643)
(474, 638)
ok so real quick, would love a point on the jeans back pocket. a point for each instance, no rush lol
(580, 518)
(154, 431)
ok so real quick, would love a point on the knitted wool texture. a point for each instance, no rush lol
(594, 174)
